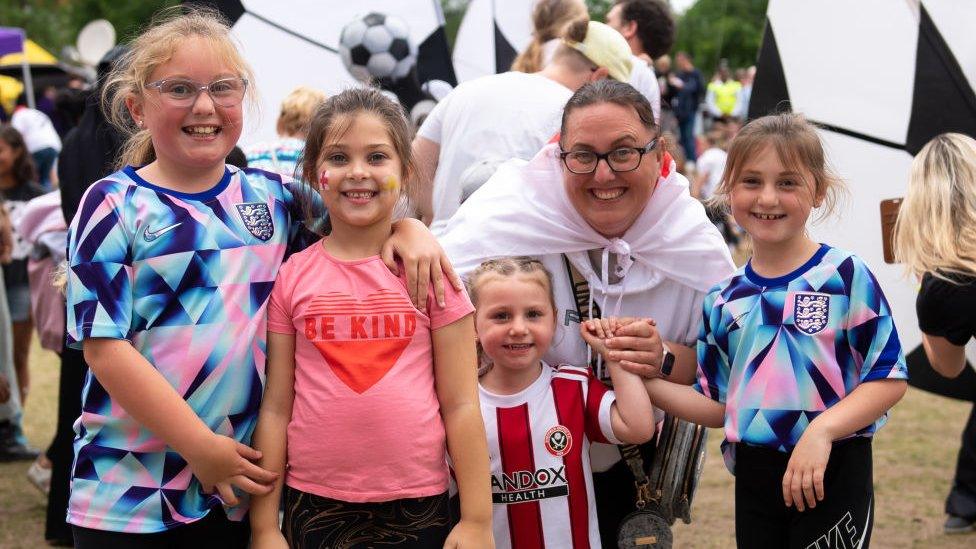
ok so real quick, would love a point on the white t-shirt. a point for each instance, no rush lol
(541, 486)
(712, 162)
(500, 116)
(36, 128)
(642, 78)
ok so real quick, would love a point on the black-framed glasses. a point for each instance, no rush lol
(178, 92)
(624, 159)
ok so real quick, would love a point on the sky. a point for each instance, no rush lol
(680, 6)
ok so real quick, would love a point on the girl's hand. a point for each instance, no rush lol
(423, 259)
(469, 534)
(597, 331)
(223, 463)
(638, 347)
(268, 538)
(803, 483)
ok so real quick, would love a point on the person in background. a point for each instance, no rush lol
(934, 237)
(18, 185)
(42, 139)
(648, 26)
(549, 20)
(281, 156)
(722, 98)
(690, 89)
(508, 115)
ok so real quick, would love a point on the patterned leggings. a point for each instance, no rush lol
(315, 522)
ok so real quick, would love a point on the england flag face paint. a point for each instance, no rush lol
(324, 181)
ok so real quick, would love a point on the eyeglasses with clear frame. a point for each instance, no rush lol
(623, 159)
(179, 92)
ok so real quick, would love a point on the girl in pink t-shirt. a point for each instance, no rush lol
(364, 392)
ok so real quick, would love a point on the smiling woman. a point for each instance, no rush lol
(608, 215)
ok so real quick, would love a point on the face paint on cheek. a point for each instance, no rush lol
(324, 180)
(391, 183)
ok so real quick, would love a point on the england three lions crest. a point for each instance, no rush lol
(257, 218)
(810, 312)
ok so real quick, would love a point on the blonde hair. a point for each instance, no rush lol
(549, 19)
(154, 47)
(507, 267)
(296, 110)
(936, 227)
(798, 146)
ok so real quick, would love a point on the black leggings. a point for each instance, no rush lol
(844, 518)
(212, 531)
(313, 522)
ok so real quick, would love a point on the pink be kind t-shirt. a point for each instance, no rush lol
(366, 422)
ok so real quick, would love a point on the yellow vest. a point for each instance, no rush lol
(726, 94)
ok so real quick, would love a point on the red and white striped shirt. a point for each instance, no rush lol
(539, 441)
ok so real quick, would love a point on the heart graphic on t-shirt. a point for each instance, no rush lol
(361, 340)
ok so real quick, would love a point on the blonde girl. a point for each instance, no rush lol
(798, 358)
(541, 419)
(365, 393)
(171, 261)
(935, 237)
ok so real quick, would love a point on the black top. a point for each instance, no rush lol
(15, 272)
(946, 309)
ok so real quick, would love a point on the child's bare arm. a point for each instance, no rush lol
(456, 375)
(270, 437)
(803, 481)
(218, 461)
(685, 402)
(631, 416)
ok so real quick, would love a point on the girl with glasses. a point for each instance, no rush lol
(171, 262)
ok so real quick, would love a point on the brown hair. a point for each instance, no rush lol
(23, 168)
(549, 17)
(334, 116)
(507, 267)
(796, 142)
(154, 47)
(609, 91)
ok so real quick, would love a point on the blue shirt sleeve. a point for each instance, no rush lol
(871, 330)
(99, 286)
(713, 365)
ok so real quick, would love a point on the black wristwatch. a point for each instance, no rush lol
(668, 363)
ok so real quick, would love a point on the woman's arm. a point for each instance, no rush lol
(685, 402)
(426, 154)
(638, 347)
(863, 406)
(947, 359)
(423, 259)
(270, 437)
(456, 375)
(218, 461)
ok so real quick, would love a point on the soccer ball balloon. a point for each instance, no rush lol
(377, 46)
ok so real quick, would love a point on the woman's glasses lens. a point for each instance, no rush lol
(227, 92)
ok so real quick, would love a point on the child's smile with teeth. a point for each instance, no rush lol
(202, 130)
(769, 217)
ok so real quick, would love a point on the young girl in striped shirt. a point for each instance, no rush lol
(541, 419)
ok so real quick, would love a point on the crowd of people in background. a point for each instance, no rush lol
(639, 157)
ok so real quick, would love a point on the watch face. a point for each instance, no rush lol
(668, 364)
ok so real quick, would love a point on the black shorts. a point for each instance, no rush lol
(214, 530)
(844, 518)
(313, 522)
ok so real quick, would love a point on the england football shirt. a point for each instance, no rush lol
(779, 351)
(185, 278)
(538, 441)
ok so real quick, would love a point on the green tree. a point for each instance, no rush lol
(722, 29)
(54, 24)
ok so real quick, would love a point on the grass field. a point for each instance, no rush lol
(914, 457)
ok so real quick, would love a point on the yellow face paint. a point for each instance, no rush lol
(391, 183)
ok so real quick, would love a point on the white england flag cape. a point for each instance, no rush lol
(523, 210)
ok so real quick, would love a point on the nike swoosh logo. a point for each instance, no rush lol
(153, 235)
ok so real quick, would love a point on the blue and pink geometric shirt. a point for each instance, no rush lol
(185, 278)
(780, 351)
